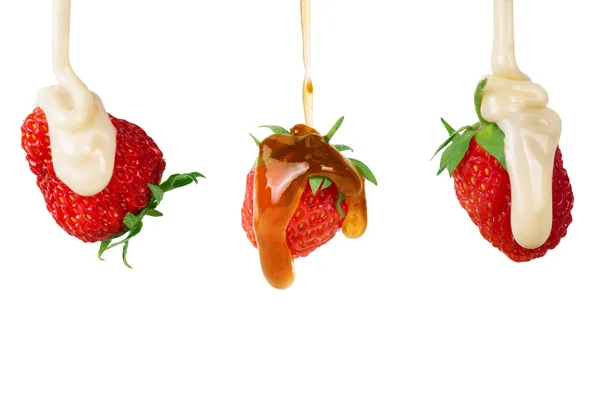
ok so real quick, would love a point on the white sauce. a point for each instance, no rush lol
(82, 137)
(532, 132)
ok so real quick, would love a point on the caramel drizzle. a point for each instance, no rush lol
(307, 85)
(285, 163)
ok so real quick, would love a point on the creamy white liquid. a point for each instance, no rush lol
(532, 132)
(82, 137)
(307, 86)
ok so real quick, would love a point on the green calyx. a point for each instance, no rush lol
(320, 182)
(134, 224)
(487, 134)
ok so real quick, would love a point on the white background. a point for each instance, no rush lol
(421, 307)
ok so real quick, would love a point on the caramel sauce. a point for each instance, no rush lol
(285, 163)
(307, 85)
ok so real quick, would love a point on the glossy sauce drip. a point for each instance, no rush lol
(307, 85)
(82, 136)
(285, 163)
(532, 132)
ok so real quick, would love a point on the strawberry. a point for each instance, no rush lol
(133, 192)
(322, 208)
(476, 161)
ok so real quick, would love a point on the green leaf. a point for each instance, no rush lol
(455, 153)
(315, 183)
(452, 138)
(342, 147)
(131, 233)
(364, 170)
(255, 139)
(478, 95)
(449, 128)
(276, 129)
(135, 231)
(131, 220)
(119, 235)
(482, 130)
(338, 204)
(334, 129)
(133, 223)
(125, 248)
(444, 144)
(168, 184)
(195, 176)
(179, 180)
(491, 138)
(103, 246)
(154, 213)
(319, 183)
(157, 192)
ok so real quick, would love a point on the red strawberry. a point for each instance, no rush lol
(322, 208)
(475, 159)
(132, 193)
(315, 222)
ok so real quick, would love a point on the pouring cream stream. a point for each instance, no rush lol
(82, 136)
(307, 85)
(532, 131)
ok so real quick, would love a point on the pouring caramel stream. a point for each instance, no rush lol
(285, 163)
